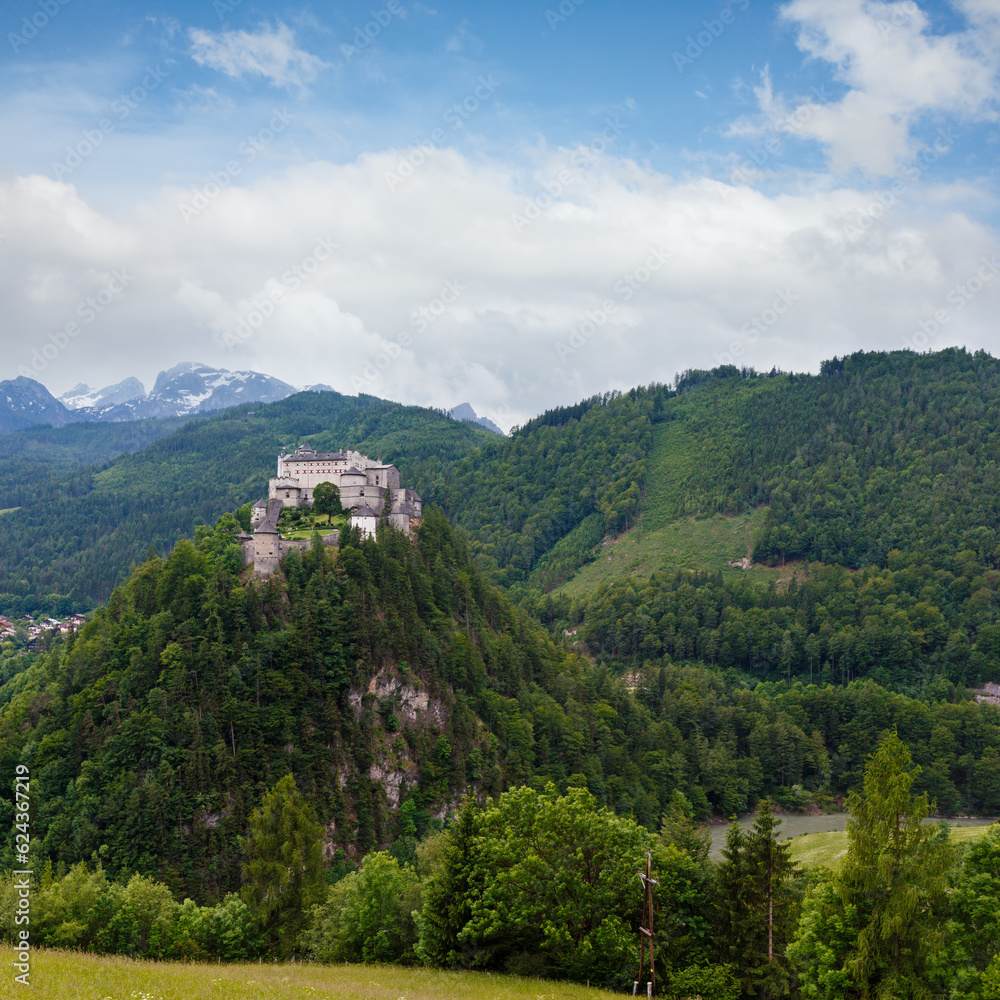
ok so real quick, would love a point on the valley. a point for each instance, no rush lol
(633, 615)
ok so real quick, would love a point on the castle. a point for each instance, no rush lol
(368, 488)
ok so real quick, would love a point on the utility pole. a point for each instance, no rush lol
(646, 928)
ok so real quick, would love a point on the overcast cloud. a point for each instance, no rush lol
(840, 196)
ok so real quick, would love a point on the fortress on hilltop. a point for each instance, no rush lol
(369, 489)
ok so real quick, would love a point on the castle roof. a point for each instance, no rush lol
(266, 528)
(353, 472)
(363, 511)
(305, 452)
(262, 502)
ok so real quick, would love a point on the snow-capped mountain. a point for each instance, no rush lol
(82, 396)
(186, 388)
(27, 403)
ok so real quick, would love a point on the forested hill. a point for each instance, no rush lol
(391, 678)
(880, 459)
(878, 452)
(75, 538)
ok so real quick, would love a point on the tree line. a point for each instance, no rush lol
(543, 884)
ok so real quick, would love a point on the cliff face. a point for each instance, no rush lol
(989, 694)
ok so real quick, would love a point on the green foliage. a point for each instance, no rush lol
(900, 626)
(969, 964)
(715, 981)
(756, 912)
(283, 873)
(367, 916)
(326, 499)
(553, 877)
(85, 910)
(873, 927)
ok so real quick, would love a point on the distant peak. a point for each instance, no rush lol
(467, 415)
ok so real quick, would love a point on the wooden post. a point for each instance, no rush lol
(646, 928)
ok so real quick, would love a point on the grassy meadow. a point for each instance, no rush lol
(830, 848)
(710, 543)
(71, 975)
(666, 539)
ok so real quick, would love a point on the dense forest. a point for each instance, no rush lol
(390, 678)
(879, 459)
(417, 705)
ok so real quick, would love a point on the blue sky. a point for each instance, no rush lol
(615, 192)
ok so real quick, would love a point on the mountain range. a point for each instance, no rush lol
(187, 389)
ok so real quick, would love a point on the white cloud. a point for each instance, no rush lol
(897, 72)
(270, 53)
(488, 313)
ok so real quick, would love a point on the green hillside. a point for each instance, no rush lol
(80, 535)
(76, 538)
(566, 642)
(35, 461)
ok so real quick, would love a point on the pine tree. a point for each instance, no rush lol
(283, 874)
(447, 895)
(870, 929)
(770, 869)
(896, 872)
(755, 919)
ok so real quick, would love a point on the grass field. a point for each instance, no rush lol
(665, 539)
(9, 510)
(69, 975)
(829, 848)
(710, 543)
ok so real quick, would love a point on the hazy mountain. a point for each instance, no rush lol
(27, 403)
(186, 388)
(82, 396)
(466, 413)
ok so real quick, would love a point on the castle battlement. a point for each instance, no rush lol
(368, 488)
